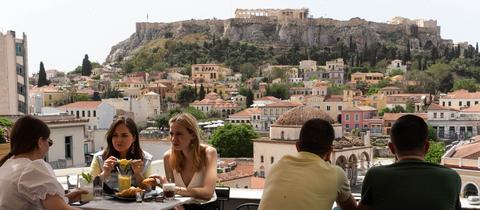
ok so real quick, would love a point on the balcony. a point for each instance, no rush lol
(237, 195)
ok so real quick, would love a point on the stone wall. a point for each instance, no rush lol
(383, 152)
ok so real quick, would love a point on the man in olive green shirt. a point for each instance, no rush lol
(307, 180)
(410, 183)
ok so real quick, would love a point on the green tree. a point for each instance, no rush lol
(248, 70)
(5, 122)
(199, 115)
(186, 95)
(86, 66)
(42, 76)
(442, 76)
(466, 84)
(278, 90)
(432, 133)
(410, 106)
(112, 93)
(162, 121)
(435, 152)
(395, 72)
(234, 140)
(249, 99)
(201, 92)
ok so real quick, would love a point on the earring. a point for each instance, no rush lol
(132, 150)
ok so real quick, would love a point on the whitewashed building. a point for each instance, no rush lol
(99, 114)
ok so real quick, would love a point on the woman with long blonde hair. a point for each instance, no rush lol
(190, 164)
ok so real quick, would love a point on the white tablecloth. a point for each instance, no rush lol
(111, 204)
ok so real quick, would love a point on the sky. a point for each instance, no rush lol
(61, 32)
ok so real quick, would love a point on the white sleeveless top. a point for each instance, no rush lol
(197, 181)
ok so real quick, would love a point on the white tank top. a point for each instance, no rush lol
(197, 181)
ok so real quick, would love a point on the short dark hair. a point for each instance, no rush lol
(409, 132)
(316, 136)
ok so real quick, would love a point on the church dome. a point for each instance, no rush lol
(301, 114)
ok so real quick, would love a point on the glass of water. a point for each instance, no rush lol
(97, 188)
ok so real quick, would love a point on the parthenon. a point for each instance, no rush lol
(279, 14)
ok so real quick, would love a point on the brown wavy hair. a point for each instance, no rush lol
(24, 136)
(137, 152)
(177, 160)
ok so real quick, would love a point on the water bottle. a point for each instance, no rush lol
(97, 188)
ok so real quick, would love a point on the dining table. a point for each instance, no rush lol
(109, 203)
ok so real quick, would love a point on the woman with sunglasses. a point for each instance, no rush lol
(122, 143)
(27, 181)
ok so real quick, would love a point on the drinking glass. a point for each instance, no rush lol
(169, 191)
(124, 181)
(87, 186)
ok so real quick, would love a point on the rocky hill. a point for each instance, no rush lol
(320, 32)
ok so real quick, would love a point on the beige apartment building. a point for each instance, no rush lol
(14, 71)
(369, 78)
(209, 72)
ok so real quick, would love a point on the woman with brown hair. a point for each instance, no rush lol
(191, 165)
(27, 181)
(122, 143)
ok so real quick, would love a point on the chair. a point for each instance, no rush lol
(247, 206)
(223, 194)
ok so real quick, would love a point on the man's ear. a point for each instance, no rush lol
(327, 155)
(426, 146)
(297, 144)
(392, 148)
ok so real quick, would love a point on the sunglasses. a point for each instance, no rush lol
(50, 142)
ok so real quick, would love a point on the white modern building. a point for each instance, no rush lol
(100, 114)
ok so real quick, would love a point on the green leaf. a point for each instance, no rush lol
(88, 177)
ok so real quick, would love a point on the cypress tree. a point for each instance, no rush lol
(86, 66)
(42, 76)
(201, 92)
(249, 98)
(476, 48)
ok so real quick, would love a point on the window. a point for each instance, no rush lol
(261, 159)
(452, 115)
(19, 49)
(94, 113)
(441, 115)
(78, 114)
(347, 117)
(468, 103)
(85, 148)
(356, 117)
(339, 108)
(271, 160)
(449, 103)
(434, 115)
(68, 147)
(328, 108)
(347, 127)
(459, 103)
(88, 113)
(49, 97)
(476, 102)
(83, 113)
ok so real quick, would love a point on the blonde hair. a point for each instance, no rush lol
(177, 160)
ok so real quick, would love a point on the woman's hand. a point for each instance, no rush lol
(162, 179)
(137, 166)
(108, 166)
(75, 195)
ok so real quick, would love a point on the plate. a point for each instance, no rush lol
(124, 198)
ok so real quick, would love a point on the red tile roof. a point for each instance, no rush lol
(475, 108)
(468, 151)
(247, 112)
(243, 169)
(395, 116)
(440, 107)
(82, 105)
(462, 94)
(268, 98)
(284, 104)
